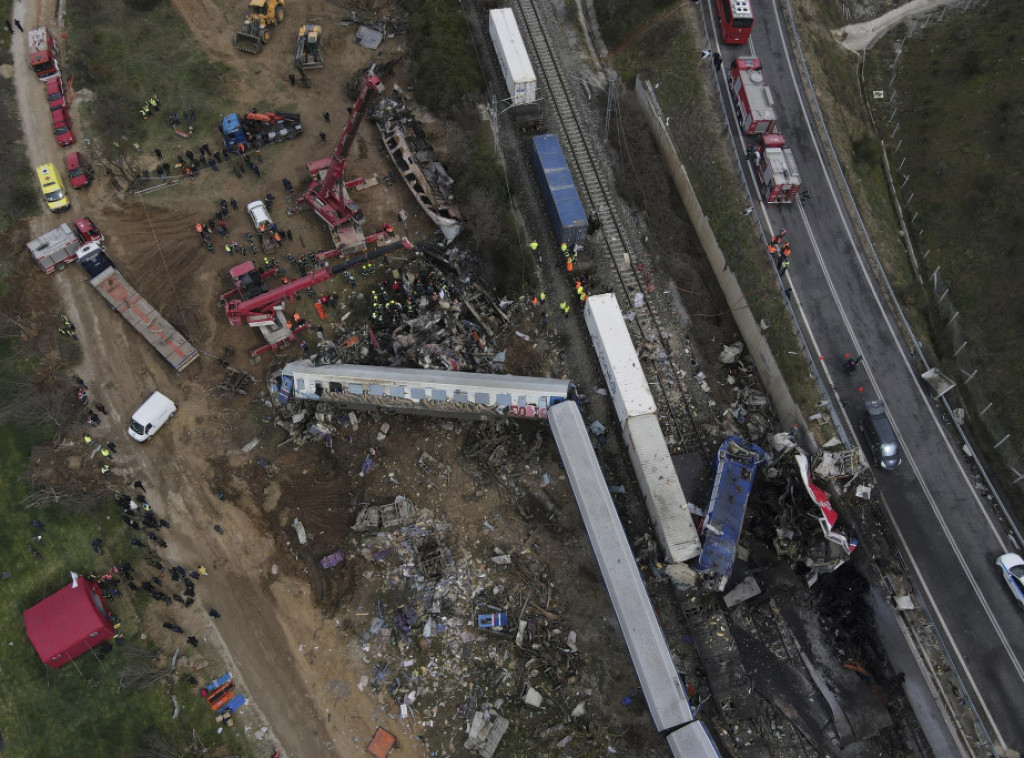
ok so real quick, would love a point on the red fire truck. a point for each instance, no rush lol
(735, 20)
(755, 106)
(42, 53)
(776, 169)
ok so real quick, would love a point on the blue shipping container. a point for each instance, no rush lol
(556, 186)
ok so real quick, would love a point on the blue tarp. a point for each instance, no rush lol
(735, 466)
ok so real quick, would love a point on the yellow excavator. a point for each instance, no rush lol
(255, 33)
(310, 51)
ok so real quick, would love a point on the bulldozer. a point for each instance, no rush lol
(309, 53)
(255, 33)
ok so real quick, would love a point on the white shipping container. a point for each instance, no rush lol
(666, 502)
(620, 364)
(512, 57)
(663, 688)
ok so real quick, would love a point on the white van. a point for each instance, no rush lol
(258, 213)
(150, 416)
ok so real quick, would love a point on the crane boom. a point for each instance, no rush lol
(325, 193)
(239, 311)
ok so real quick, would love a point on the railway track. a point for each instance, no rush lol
(681, 401)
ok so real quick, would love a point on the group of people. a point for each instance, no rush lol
(67, 328)
(779, 251)
(149, 107)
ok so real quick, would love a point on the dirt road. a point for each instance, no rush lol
(263, 623)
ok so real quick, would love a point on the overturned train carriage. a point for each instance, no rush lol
(423, 391)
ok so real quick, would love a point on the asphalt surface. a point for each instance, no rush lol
(945, 530)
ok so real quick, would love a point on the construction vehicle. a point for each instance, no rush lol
(309, 53)
(327, 194)
(251, 302)
(253, 130)
(125, 300)
(776, 169)
(255, 33)
(755, 106)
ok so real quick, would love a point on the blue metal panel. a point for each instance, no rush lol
(558, 190)
(736, 464)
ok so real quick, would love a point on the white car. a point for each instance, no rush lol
(1012, 566)
(258, 213)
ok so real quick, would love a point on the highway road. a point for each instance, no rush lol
(948, 537)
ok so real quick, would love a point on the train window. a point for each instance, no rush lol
(376, 390)
(335, 387)
(460, 396)
(355, 388)
(418, 393)
(439, 395)
(483, 398)
(504, 400)
(397, 391)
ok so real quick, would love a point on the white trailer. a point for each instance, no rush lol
(659, 483)
(512, 57)
(620, 364)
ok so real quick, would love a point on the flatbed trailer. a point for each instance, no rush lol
(144, 318)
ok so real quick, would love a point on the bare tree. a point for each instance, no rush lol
(66, 493)
(142, 675)
(161, 746)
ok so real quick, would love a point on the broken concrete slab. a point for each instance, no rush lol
(742, 592)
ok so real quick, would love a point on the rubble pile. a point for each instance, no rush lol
(462, 643)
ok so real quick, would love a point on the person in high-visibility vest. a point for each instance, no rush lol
(88, 439)
(543, 297)
(568, 265)
(565, 308)
(565, 248)
(534, 246)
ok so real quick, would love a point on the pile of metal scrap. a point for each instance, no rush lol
(377, 518)
(492, 621)
(235, 382)
(503, 452)
(417, 163)
(315, 423)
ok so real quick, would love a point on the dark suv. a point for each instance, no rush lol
(885, 449)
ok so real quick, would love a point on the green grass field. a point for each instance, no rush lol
(959, 113)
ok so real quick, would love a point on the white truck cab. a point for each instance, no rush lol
(150, 416)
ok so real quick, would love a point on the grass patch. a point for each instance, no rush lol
(104, 41)
(437, 32)
(960, 124)
(82, 709)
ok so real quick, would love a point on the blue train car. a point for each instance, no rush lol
(556, 186)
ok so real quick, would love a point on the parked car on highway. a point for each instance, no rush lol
(1012, 566)
(79, 170)
(882, 442)
(62, 126)
(53, 189)
(55, 93)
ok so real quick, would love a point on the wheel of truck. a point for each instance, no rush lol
(291, 134)
(278, 137)
(62, 265)
(266, 36)
(279, 13)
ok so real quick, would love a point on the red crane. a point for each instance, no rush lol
(259, 308)
(326, 192)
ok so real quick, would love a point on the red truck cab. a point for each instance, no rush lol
(86, 231)
(62, 126)
(42, 53)
(55, 93)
